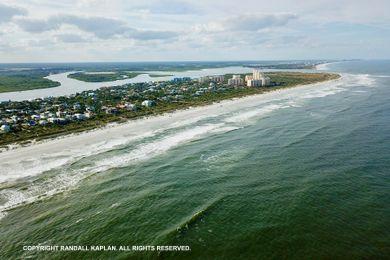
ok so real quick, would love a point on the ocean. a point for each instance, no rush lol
(301, 174)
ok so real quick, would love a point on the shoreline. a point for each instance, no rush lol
(323, 66)
(162, 116)
(27, 161)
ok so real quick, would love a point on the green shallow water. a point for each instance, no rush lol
(308, 179)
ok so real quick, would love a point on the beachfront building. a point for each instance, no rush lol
(258, 75)
(254, 83)
(248, 77)
(217, 78)
(236, 80)
(266, 81)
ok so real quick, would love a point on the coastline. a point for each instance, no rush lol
(115, 134)
(323, 66)
(32, 142)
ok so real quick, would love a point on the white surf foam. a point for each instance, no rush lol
(45, 162)
(146, 151)
(70, 178)
(322, 93)
(364, 80)
(252, 114)
(59, 183)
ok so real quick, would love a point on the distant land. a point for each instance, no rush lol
(25, 80)
(108, 76)
(103, 76)
(28, 76)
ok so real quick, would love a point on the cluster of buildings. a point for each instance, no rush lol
(40, 112)
(257, 79)
(21, 115)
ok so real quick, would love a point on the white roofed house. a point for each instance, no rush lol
(148, 103)
(42, 122)
(5, 128)
(79, 116)
(35, 117)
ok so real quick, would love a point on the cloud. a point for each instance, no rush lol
(36, 25)
(70, 38)
(171, 7)
(101, 27)
(153, 35)
(7, 12)
(248, 22)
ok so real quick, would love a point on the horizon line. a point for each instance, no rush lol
(174, 61)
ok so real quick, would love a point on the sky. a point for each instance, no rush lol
(179, 30)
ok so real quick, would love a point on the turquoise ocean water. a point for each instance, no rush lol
(303, 176)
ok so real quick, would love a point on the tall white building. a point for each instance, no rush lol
(254, 83)
(248, 77)
(236, 80)
(217, 78)
(258, 75)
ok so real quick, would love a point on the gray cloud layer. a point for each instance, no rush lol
(70, 38)
(99, 26)
(255, 22)
(169, 7)
(249, 22)
(7, 12)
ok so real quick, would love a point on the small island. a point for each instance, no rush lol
(103, 76)
(25, 121)
(109, 76)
